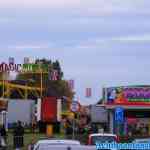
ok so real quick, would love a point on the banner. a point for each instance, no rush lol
(53, 75)
(88, 92)
(126, 95)
(71, 84)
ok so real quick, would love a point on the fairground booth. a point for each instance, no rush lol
(128, 110)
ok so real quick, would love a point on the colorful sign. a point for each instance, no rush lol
(7, 67)
(71, 84)
(74, 106)
(128, 94)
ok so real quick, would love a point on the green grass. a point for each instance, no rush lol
(28, 138)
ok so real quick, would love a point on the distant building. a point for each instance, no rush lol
(133, 103)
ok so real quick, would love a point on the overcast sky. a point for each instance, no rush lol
(98, 42)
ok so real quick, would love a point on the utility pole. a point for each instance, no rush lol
(26, 90)
(73, 136)
(41, 82)
(3, 84)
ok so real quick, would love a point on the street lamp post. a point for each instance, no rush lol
(41, 83)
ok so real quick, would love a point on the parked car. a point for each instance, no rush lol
(101, 138)
(50, 144)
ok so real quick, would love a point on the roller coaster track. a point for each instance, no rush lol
(23, 90)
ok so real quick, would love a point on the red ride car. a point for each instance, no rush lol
(101, 138)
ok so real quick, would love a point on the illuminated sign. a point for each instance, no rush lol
(35, 67)
(128, 94)
(4, 67)
(137, 93)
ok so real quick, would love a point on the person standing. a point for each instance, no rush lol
(69, 129)
(18, 136)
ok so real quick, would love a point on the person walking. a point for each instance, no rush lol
(18, 136)
(3, 136)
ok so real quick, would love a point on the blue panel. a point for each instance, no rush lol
(119, 115)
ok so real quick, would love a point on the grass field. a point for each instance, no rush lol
(28, 138)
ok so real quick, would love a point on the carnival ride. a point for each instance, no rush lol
(23, 90)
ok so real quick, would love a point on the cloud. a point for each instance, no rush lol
(5, 20)
(87, 45)
(102, 42)
(45, 3)
(134, 38)
(25, 47)
(60, 7)
(127, 38)
(82, 7)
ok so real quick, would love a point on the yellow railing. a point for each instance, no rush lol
(23, 90)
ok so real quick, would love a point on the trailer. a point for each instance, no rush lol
(22, 110)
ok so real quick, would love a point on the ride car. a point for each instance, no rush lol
(50, 144)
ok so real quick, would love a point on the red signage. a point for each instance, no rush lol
(49, 109)
(132, 120)
(4, 67)
(88, 92)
